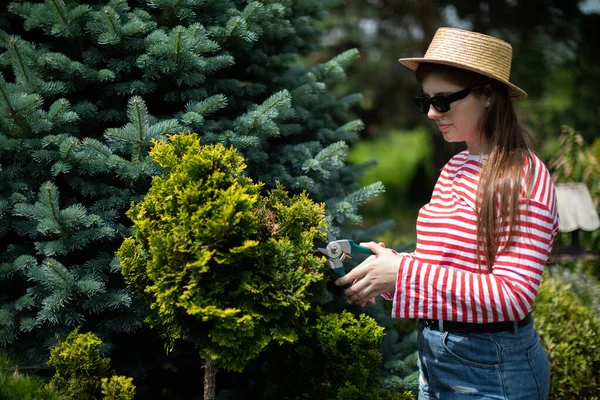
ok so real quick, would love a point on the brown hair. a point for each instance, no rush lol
(510, 147)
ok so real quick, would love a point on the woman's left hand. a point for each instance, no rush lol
(373, 277)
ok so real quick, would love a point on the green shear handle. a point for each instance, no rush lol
(337, 250)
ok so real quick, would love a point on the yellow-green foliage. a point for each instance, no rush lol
(118, 388)
(351, 346)
(219, 263)
(79, 365)
(352, 350)
(80, 369)
(570, 334)
(337, 358)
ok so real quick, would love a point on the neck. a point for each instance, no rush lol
(479, 148)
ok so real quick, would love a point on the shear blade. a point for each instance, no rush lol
(324, 251)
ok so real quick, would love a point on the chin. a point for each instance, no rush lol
(450, 139)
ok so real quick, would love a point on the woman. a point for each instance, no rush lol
(482, 240)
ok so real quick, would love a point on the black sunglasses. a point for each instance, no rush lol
(441, 103)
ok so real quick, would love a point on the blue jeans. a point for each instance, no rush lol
(500, 366)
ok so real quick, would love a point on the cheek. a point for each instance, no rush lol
(473, 120)
(467, 126)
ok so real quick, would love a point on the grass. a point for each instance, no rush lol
(22, 387)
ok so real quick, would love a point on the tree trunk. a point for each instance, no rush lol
(210, 380)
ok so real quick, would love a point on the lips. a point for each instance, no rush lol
(443, 127)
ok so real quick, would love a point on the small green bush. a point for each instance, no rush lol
(82, 373)
(79, 366)
(570, 333)
(337, 358)
(22, 387)
(118, 388)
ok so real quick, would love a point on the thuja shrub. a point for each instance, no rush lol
(351, 347)
(221, 264)
(118, 388)
(570, 333)
(336, 357)
(82, 373)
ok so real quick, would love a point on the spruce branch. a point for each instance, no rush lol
(53, 16)
(333, 156)
(61, 12)
(239, 24)
(350, 130)
(24, 262)
(98, 300)
(366, 193)
(112, 22)
(333, 70)
(52, 275)
(136, 137)
(352, 99)
(27, 324)
(25, 302)
(7, 326)
(60, 112)
(17, 106)
(22, 71)
(207, 106)
(261, 120)
(181, 54)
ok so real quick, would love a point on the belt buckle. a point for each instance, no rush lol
(431, 323)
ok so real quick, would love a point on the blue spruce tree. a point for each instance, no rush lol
(85, 88)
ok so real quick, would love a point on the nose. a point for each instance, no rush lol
(433, 113)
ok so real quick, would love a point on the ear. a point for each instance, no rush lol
(488, 96)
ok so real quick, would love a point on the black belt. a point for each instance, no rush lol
(467, 327)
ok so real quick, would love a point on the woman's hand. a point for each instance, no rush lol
(374, 276)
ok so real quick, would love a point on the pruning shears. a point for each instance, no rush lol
(337, 250)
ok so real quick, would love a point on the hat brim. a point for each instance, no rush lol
(413, 63)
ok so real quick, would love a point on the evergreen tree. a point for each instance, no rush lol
(220, 265)
(85, 88)
(399, 348)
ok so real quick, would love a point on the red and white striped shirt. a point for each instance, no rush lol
(442, 280)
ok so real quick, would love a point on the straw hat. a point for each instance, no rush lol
(473, 51)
